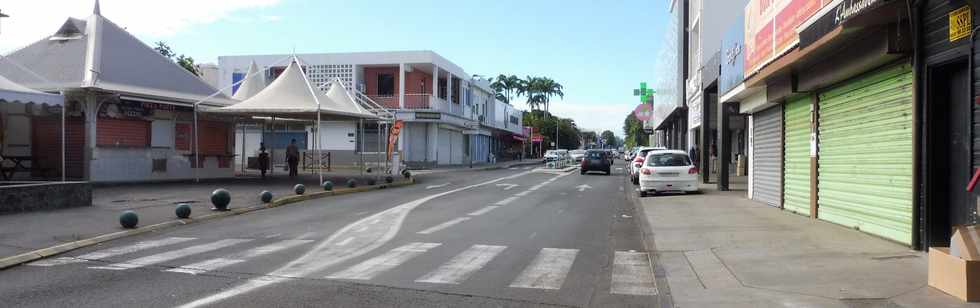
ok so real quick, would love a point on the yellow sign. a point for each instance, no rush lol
(960, 23)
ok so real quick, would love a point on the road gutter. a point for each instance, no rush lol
(38, 254)
(665, 297)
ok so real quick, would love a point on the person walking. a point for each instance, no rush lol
(263, 159)
(292, 158)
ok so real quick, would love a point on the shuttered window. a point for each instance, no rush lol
(866, 153)
(767, 150)
(122, 132)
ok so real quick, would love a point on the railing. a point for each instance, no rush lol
(425, 101)
(388, 101)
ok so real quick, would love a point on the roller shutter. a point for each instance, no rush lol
(767, 147)
(796, 155)
(866, 154)
(445, 147)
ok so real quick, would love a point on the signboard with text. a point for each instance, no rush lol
(770, 28)
(960, 23)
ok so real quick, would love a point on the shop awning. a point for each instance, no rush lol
(16, 93)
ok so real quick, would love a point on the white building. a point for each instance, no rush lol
(453, 121)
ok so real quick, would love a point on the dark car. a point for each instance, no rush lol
(597, 160)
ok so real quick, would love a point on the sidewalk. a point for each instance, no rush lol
(719, 249)
(153, 202)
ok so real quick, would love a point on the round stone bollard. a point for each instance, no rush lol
(220, 198)
(406, 174)
(368, 170)
(183, 211)
(299, 189)
(389, 179)
(327, 185)
(128, 219)
(265, 196)
(371, 182)
(351, 183)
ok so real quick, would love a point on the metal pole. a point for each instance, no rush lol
(244, 160)
(64, 110)
(377, 152)
(197, 158)
(360, 128)
(319, 146)
(272, 149)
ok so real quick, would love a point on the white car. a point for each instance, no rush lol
(668, 171)
(577, 155)
(633, 166)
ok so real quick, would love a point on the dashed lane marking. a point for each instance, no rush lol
(444, 225)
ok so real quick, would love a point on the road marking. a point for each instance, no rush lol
(380, 264)
(218, 263)
(619, 168)
(507, 186)
(536, 187)
(327, 254)
(583, 187)
(307, 235)
(463, 265)
(112, 252)
(444, 225)
(172, 255)
(527, 168)
(506, 201)
(437, 186)
(483, 210)
(548, 270)
(632, 274)
(523, 193)
(345, 241)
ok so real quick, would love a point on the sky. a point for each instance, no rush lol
(598, 50)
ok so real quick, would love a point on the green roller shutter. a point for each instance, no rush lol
(796, 155)
(865, 159)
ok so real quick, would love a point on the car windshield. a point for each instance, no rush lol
(596, 155)
(668, 160)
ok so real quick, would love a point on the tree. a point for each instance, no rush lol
(184, 61)
(505, 86)
(633, 129)
(608, 138)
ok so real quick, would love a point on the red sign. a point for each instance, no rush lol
(396, 129)
(537, 138)
(770, 28)
(643, 112)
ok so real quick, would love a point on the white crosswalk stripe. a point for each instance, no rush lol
(548, 270)
(380, 264)
(218, 263)
(463, 265)
(444, 225)
(632, 274)
(112, 252)
(172, 255)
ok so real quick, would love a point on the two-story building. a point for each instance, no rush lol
(450, 117)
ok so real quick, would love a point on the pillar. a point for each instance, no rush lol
(401, 85)
(435, 81)
(705, 136)
(432, 141)
(724, 144)
(91, 116)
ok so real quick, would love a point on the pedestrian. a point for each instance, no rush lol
(292, 158)
(263, 159)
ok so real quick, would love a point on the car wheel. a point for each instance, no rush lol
(643, 194)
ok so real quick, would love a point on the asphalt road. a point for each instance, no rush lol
(503, 238)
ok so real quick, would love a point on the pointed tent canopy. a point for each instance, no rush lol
(95, 53)
(253, 84)
(15, 93)
(291, 95)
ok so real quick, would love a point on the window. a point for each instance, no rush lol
(386, 85)
(162, 134)
(668, 160)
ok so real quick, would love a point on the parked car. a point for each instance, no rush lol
(597, 160)
(577, 155)
(551, 155)
(633, 166)
(668, 171)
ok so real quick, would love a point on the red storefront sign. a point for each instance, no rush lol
(537, 138)
(770, 28)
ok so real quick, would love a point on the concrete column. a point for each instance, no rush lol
(449, 88)
(435, 81)
(401, 85)
(724, 144)
(91, 116)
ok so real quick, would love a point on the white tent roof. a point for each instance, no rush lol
(291, 95)
(16, 93)
(253, 84)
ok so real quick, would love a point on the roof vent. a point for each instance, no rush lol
(70, 30)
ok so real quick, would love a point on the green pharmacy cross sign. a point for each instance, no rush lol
(645, 94)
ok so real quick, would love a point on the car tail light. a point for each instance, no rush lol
(583, 163)
(646, 171)
(693, 170)
(639, 160)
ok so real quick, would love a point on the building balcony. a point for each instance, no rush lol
(428, 102)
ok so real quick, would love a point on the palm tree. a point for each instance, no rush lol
(505, 86)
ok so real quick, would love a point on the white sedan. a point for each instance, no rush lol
(668, 171)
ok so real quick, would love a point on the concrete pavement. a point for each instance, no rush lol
(719, 249)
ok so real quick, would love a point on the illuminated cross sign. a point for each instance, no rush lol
(646, 95)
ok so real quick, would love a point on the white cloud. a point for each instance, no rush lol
(31, 20)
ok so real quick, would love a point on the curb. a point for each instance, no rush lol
(665, 298)
(42, 253)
